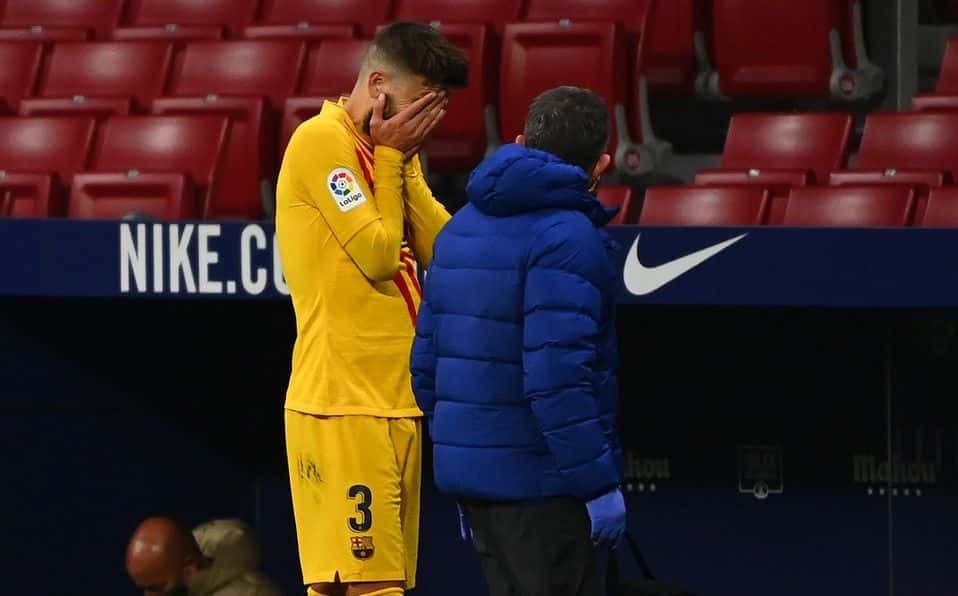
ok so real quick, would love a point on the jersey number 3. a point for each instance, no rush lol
(364, 496)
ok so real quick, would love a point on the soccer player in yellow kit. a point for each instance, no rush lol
(354, 217)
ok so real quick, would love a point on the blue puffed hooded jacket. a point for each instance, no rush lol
(515, 352)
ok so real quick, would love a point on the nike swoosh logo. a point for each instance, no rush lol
(641, 280)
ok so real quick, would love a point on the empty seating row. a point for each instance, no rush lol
(51, 20)
(781, 151)
(783, 48)
(850, 206)
(777, 154)
(759, 47)
(165, 166)
(171, 166)
(104, 19)
(121, 77)
(245, 81)
(117, 77)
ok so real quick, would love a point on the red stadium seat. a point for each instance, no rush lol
(916, 149)
(177, 34)
(76, 72)
(632, 14)
(676, 53)
(97, 16)
(162, 166)
(466, 132)
(32, 195)
(635, 17)
(934, 102)
(96, 107)
(779, 151)
(267, 68)
(704, 206)
(914, 178)
(39, 158)
(619, 197)
(663, 33)
(783, 48)
(45, 145)
(922, 182)
(311, 34)
(248, 157)
(778, 181)
(850, 206)
(332, 68)
(117, 196)
(330, 72)
(540, 56)
(231, 15)
(19, 66)
(233, 78)
(494, 12)
(367, 14)
(942, 210)
(910, 142)
(44, 34)
(807, 142)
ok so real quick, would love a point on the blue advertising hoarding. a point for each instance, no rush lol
(684, 266)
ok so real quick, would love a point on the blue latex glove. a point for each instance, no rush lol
(464, 530)
(607, 514)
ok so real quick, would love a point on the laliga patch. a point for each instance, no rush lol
(362, 547)
(345, 189)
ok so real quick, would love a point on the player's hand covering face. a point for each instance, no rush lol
(410, 125)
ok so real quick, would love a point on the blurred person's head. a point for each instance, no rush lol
(162, 557)
(573, 124)
(405, 61)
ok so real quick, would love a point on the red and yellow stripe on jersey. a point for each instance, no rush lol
(351, 355)
(406, 279)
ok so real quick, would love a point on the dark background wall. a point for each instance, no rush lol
(114, 410)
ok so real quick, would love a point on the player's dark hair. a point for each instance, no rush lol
(420, 49)
(571, 123)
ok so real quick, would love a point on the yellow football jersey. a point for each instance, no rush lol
(354, 335)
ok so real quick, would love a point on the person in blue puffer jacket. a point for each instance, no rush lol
(514, 358)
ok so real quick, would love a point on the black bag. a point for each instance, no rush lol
(647, 586)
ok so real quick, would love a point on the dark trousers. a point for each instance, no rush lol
(540, 548)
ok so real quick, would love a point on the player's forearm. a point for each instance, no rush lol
(375, 249)
(426, 215)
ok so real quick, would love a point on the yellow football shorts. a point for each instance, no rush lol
(355, 482)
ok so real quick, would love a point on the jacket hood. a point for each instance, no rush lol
(516, 179)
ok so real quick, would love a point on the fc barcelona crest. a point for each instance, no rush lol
(362, 546)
